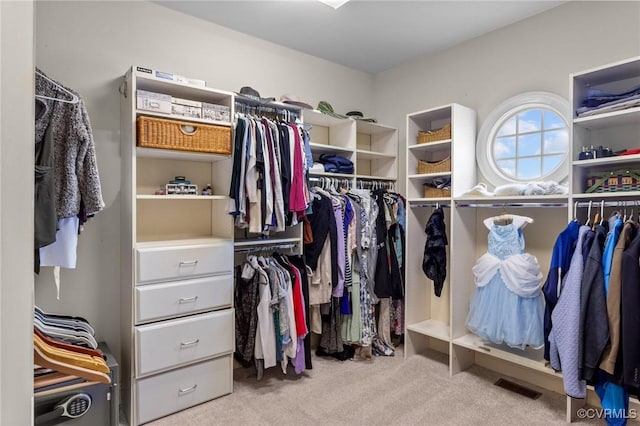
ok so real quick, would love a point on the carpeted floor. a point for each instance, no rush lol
(380, 391)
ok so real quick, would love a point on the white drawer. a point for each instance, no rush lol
(175, 298)
(157, 263)
(160, 395)
(182, 341)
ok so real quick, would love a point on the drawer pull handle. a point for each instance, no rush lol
(187, 299)
(187, 344)
(188, 263)
(187, 390)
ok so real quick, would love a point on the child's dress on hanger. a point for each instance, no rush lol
(507, 306)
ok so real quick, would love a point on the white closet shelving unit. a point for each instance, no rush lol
(372, 147)
(177, 318)
(440, 323)
(428, 317)
(617, 130)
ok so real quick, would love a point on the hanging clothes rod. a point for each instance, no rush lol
(602, 203)
(373, 184)
(258, 108)
(429, 205)
(326, 182)
(266, 247)
(510, 205)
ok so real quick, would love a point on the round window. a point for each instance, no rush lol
(525, 139)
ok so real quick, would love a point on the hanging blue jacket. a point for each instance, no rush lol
(563, 339)
(560, 261)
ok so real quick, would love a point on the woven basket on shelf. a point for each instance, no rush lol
(435, 135)
(430, 192)
(425, 167)
(185, 136)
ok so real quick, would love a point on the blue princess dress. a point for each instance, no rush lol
(508, 305)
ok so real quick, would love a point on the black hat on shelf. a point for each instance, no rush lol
(250, 93)
(357, 115)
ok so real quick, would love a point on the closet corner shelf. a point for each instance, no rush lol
(532, 360)
(372, 155)
(514, 201)
(316, 118)
(196, 241)
(432, 328)
(181, 197)
(430, 200)
(322, 148)
(256, 242)
(620, 160)
(150, 83)
(369, 128)
(609, 119)
(429, 175)
(180, 118)
(432, 146)
(172, 154)
(370, 177)
(334, 175)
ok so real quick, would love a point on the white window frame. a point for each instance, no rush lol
(504, 111)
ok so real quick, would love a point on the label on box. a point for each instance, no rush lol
(181, 189)
(187, 102)
(215, 112)
(186, 111)
(151, 101)
(187, 80)
(172, 77)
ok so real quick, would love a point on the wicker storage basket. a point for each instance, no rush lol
(435, 135)
(185, 136)
(430, 192)
(425, 167)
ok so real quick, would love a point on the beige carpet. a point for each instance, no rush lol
(380, 391)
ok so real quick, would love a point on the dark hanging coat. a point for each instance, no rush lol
(434, 262)
(387, 278)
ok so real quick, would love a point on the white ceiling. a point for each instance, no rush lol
(370, 36)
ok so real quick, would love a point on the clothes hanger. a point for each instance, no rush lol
(74, 98)
(41, 359)
(589, 214)
(575, 211)
(68, 346)
(73, 358)
(597, 218)
(601, 212)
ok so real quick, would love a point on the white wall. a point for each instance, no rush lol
(536, 54)
(88, 46)
(16, 211)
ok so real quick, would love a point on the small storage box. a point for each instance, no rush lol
(215, 112)
(441, 134)
(614, 181)
(430, 192)
(181, 135)
(151, 101)
(441, 166)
